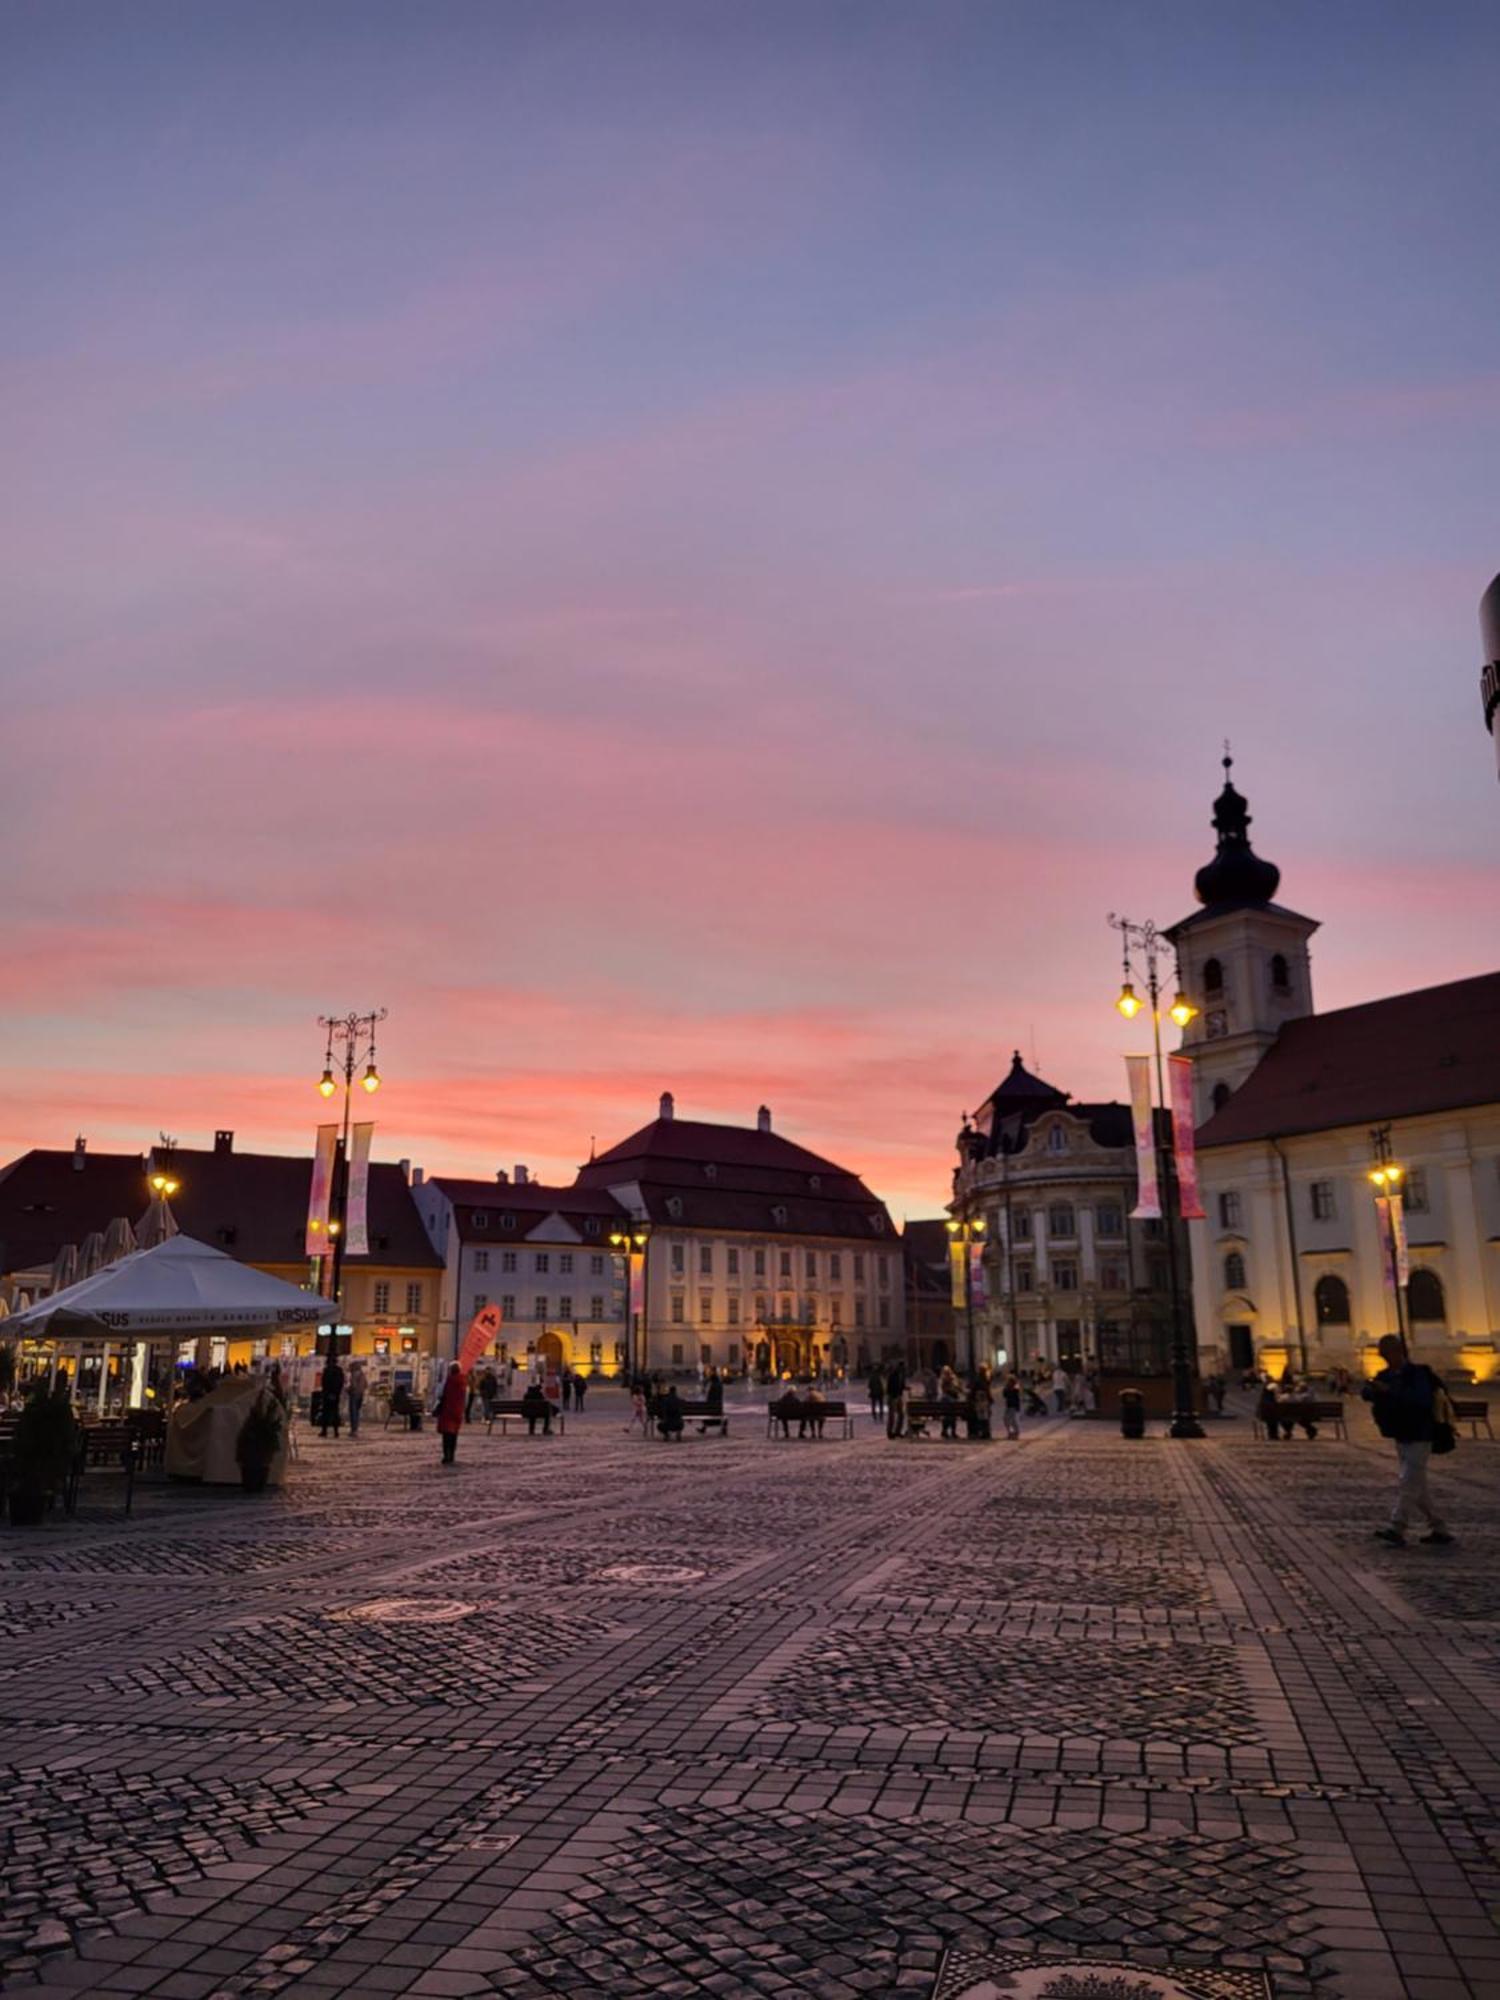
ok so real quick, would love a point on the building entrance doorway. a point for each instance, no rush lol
(550, 1350)
(1241, 1348)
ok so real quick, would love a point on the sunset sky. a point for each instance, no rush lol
(705, 547)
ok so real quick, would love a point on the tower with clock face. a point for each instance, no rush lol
(1243, 958)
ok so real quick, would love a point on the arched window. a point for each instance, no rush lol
(1281, 977)
(1331, 1301)
(1234, 1272)
(1221, 1096)
(1424, 1298)
(1213, 976)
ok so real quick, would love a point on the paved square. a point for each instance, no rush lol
(1081, 1718)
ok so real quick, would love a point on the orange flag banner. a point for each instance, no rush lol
(484, 1331)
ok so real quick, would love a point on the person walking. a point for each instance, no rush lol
(489, 1393)
(1411, 1408)
(1010, 1396)
(331, 1389)
(877, 1391)
(580, 1383)
(359, 1383)
(450, 1412)
(567, 1388)
(895, 1400)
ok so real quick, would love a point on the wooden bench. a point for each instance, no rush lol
(1307, 1410)
(797, 1411)
(514, 1411)
(924, 1410)
(1473, 1411)
(701, 1414)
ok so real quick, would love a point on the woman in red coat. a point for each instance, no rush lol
(450, 1411)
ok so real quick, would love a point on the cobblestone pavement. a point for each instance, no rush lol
(1083, 1718)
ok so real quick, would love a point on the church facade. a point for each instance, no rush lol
(1295, 1108)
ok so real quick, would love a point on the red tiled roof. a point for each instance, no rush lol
(1433, 1050)
(754, 1175)
(254, 1205)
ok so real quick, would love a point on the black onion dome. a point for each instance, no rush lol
(1489, 622)
(1236, 875)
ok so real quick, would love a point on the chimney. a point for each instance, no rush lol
(405, 1166)
(418, 1175)
(763, 1119)
(523, 1175)
(667, 1108)
(502, 1177)
(223, 1142)
(79, 1146)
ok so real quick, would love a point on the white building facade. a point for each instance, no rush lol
(1291, 1264)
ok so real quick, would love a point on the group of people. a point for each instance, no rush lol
(335, 1393)
(656, 1406)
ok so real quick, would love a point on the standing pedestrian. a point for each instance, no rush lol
(567, 1388)
(450, 1411)
(1010, 1396)
(332, 1390)
(895, 1400)
(1411, 1408)
(1060, 1388)
(580, 1383)
(877, 1391)
(359, 1383)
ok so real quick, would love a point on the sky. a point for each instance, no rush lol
(707, 547)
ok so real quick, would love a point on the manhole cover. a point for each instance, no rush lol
(650, 1573)
(1011, 1977)
(407, 1611)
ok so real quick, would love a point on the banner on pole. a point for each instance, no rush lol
(1383, 1230)
(1180, 1074)
(1148, 1205)
(322, 1191)
(637, 1284)
(1398, 1234)
(357, 1208)
(979, 1290)
(484, 1331)
(956, 1272)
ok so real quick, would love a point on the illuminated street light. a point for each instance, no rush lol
(353, 1037)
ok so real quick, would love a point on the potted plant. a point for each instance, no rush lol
(258, 1443)
(43, 1454)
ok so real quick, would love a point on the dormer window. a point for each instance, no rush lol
(591, 1225)
(674, 1207)
(815, 1182)
(1057, 1139)
(710, 1171)
(876, 1221)
(507, 1220)
(481, 1218)
(778, 1216)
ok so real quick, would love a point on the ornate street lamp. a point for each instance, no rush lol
(1386, 1177)
(351, 1040)
(629, 1242)
(963, 1231)
(1149, 946)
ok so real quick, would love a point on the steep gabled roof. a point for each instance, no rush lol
(529, 1202)
(1434, 1050)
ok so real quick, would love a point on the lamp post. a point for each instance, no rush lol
(963, 1231)
(630, 1243)
(1386, 1176)
(1147, 942)
(351, 1038)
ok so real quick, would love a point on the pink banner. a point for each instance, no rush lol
(1398, 1230)
(1395, 1256)
(1180, 1082)
(1383, 1230)
(637, 1284)
(322, 1191)
(979, 1290)
(484, 1331)
(1138, 1069)
(357, 1207)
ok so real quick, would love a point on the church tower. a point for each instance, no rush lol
(1243, 959)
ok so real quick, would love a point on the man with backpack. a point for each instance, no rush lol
(1411, 1408)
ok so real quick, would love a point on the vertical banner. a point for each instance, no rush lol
(484, 1331)
(637, 1285)
(979, 1289)
(1180, 1083)
(1387, 1251)
(1398, 1237)
(1148, 1206)
(956, 1265)
(357, 1209)
(322, 1190)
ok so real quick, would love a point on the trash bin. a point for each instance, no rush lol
(1132, 1414)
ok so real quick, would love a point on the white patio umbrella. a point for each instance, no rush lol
(179, 1286)
(65, 1267)
(90, 1254)
(157, 1225)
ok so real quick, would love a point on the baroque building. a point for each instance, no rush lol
(1064, 1273)
(1291, 1263)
